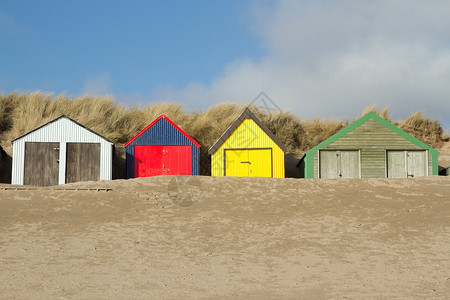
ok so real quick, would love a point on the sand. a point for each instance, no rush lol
(227, 238)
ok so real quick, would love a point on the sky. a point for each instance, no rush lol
(328, 59)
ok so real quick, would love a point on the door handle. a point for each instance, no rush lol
(246, 162)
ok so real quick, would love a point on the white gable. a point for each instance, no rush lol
(62, 130)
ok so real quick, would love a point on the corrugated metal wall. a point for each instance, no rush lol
(161, 133)
(373, 139)
(63, 131)
(248, 135)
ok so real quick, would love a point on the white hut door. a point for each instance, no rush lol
(416, 161)
(349, 164)
(339, 164)
(329, 164)
(403, 164)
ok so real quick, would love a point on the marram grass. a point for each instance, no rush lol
(22, 112)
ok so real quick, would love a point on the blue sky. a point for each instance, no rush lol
(314, 58)
(125, 47)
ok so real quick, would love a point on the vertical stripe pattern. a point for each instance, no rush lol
(248, 135)
(161, 133)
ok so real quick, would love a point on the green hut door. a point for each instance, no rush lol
(403, 164)
(339, 164)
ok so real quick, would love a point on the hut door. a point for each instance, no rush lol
(339, 164)
(153, 160)
(260, 163)
(147, 160)
(41, 164)
(403, 164)
(417, 163)
(82, 162)
(236, 163)
(176, 160)
(248, 162)
(349, 164)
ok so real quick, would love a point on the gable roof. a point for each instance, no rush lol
(246, 114)
(162, 116)
(364, 119)
(58, 118)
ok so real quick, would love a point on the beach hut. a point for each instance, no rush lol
(248, 149)
(370, 147)
(162, 148)
(61, 151)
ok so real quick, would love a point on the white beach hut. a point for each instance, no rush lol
(61, 151)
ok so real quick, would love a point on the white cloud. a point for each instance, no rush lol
(98, 85)
(333, 58)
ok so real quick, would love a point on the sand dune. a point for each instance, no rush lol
(227, 238)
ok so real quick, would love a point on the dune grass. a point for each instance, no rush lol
(22, 112)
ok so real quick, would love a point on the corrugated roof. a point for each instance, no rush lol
(154, 122)
(60, 117)
(246, 114)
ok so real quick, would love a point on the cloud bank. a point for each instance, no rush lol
(334, 58)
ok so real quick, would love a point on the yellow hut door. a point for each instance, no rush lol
(248, 162)
(236, 163)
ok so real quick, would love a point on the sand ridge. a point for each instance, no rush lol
(228, 238)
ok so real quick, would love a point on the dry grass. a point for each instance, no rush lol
(446, 135)
(424, 128)
(384, 112)
(20, 113)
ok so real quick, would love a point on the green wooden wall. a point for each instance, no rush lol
(372, 139)
(372, 136)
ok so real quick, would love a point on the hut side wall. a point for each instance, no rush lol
(161, 133)
(373, 139)
(248, 135)
(62, 131)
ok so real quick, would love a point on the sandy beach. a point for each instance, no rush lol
(227, 238)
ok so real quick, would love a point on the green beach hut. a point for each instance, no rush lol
(370, 147)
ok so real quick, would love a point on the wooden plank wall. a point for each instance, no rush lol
(41, 163)
(82, 162)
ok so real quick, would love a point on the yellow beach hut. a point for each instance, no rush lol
(247, 149)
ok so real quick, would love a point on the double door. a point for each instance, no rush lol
(404, 164)
(248, 162)
(153, 160)
(42, 163)
(339, 164)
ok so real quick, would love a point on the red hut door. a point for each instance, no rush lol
(161, 160)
